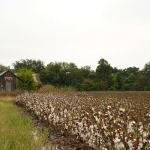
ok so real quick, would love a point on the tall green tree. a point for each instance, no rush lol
(61, 74)
(145, 77)
(35, 65)
(146, 69)
(117, 81)
(103, 72)
(3, 68)
(130, 77)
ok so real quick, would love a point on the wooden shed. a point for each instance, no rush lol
(8, 81)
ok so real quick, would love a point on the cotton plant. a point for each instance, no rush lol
(101, 121)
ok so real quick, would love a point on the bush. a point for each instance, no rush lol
(26, 81)
(88, 85)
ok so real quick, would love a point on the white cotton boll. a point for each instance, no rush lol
(148, 114)
(66, 126)
(122, 109)
(130, 126)
(76, 131)
(52, 109)
(61, 113)
(61, 120)
(140, 129)
(65, 115)
(56, 119)
(99, 113)
(49, 117)
(140, 146)
(103, 148)
(145, 134)
(80, 124)
(117, 140)
(144, 140)
(120, 146)
(97, 119)
(65, 111)
(93, 109)
(104, 127)
(108, 107)
(91, 141)
(130, 144)
(91, 126)
(87, 113)
(88, 134)
(95, 126)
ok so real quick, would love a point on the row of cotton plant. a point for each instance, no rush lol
(102, 121)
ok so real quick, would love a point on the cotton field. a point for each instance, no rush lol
(104, 121)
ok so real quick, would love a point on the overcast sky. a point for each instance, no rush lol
(79, 31)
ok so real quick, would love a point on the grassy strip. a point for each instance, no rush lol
(17, 129)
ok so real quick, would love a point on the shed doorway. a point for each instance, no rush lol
(8, 86)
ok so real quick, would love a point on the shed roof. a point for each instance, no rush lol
(1, 74)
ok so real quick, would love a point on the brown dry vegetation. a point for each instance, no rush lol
(10, 94)
(102, 120)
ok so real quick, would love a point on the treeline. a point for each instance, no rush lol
(105, 77)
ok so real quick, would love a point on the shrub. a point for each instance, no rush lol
(26, 81)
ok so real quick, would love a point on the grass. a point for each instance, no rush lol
(16, 129)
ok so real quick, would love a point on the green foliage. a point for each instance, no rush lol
(61, 74)
(34, 65)
(143, 82)
(129, 82)
(103, 72)
(88, 85)
(146, 69)
(3, 68)
(116, 81)
(26, 81)
(105, 77)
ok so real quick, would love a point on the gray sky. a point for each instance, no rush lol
(79, 31)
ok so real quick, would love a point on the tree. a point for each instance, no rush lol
(117, 81)
(104, 71)
(130, 76)
(3, 68)
(35, 65)
(146, 69)
(129, 82)
(26, 81)
(144, 80)
(142, 84)
(105, 77)
(61, 74)
(88, 85)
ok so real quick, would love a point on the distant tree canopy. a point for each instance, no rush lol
(104, 77)
(35, 65)
(103, 72)
(61, 74)
(3, 68)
